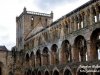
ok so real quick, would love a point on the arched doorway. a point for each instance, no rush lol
(46, 73)
(80, 48)
(65, 51)
(54, 55)
(55, 72)
(67, 72)
(95, 44)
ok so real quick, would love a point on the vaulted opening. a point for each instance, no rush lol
(67, 72)
(45, 56)
(54, 55)
(46, 73)
(65, 52)
(80, 48)
(95, 44)
(55, 72)
(38, 58)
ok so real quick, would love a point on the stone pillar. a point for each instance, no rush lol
(42, 59)
(75, 24)
(91, 17)
(75, 54)
(85, 20)
(91, 51)
(88, 51)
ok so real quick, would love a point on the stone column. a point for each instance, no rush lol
(75, 24)
(88, 51)
(75, 54)
(91, 17)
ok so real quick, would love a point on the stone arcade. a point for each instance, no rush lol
(45, 47)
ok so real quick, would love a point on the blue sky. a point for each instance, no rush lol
(9, 9)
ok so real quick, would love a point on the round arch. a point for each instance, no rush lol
(33, 73)
(46, 73)
(54, 55)
(10, 73)
(55, 72)
(67, 72)
(65, 51)
(27, 57)
(32, 58)
(45, 56)
(38, 58)
(39, 73)
(54, 48)
(95, 44)
(80, 47)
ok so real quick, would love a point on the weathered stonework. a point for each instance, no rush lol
(58, 48)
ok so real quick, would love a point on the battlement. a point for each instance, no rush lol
(38, 13)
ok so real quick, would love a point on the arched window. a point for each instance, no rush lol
(38, 58)
(67, 72)
(27, 57)
(32, 58)
(33, 73)
(39, 73)
(65, 51)
(55, 72)
(98, 11)
(54, 55)
(88, 17)
(29, 72)
(80, 48)
(46, 73)
(95, 44)
(94, 14)
(54, 48)
(10, 73)
(45, 56)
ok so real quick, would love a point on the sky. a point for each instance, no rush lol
(9, 9)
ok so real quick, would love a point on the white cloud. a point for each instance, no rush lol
(9, 9)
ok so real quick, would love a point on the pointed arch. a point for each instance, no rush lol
(54, 55)
(45, 56)
(67, 72)
(55, 72)
(38, 58)
(32, 58)
(80, 48)
(65, 52)
(95, 44)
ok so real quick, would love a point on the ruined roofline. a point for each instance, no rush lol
(38, 13)
(75, 10)
(34, 13)
(66, 15)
